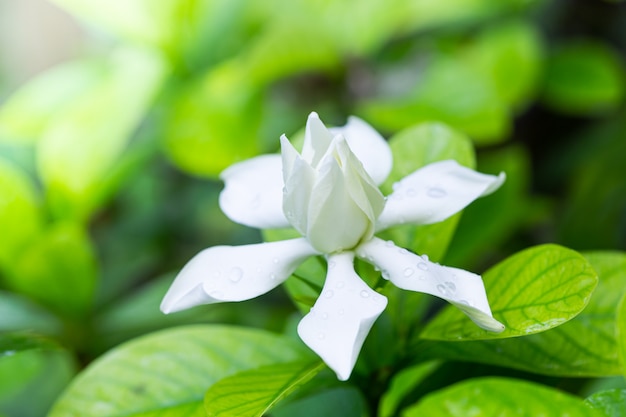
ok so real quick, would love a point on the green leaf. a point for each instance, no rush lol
(587, 345)
(252, 393)
(530, 292)
(214, 122)
(584, 77)
(58, 270)
(611, 402)
(449, 91)
(20, 216)
(167, 373)
(415, 148)
(401, 384)
(30, 380)
(501, 397)
(84, 141)
(19, 314)
(621, 333)
(510, 54)
(326, 402)
(14, 343)
(26, 114)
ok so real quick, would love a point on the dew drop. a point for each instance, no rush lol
(403, 251)
(331, 264)
(464, 302)
(442, 289)
(408, 272)
(422, 266)
(329, 294)
(396, 186)
(386, 275)
(451, 286)
(436, 192)
(273, 277)
(389, 244)
(365, 294)
(340, 284)
(235, 274)
(411, 192)
(425, 257)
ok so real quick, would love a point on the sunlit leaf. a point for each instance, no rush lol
(252, 393)
(584, 78)
(20, 216)
(530, 292)
(499, 397)
(25, 115)
(82, 144)
(612, 402)
(167, 373)
(57, 270)
(587, 345)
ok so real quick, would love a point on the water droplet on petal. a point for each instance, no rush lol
(408, 272)
(411, 192)
(425, 257)
(386, 275)
(436, 192)
(273, 277)
(389, 244)
(331, 264)
(403, 251)
(464, 302)
(340, 284)
(216, 294)
(365, 294)
(396, 186)
(235, 274)
(442, 289)
(422, 266)
(329, 294)
(451, 286)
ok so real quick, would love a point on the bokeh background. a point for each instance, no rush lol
(116, 118)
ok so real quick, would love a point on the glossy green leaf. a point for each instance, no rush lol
(214, 122)
(31, 380)
(26, 113)
(82, 144)
(530, 292)
(612, 402)
(487, 397)
(167, 373)
(252, 393)
(412, 149)
(621, 333)
(20, 216)
(401, 385)
(587, 345)
(584, 78)
(58, 270)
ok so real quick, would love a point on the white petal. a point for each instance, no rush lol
(317, 139)
(434, 193)
(409, 271)
(342, 317)
(368, 146)
(253, 192)
(235, 273)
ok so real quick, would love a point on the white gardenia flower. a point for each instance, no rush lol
(329, 194)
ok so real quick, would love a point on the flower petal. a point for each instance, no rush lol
(235, 273)
(409, 271)
(434, 193)
(368, 146)
(253, 192)
(342, 316)
(317, 139)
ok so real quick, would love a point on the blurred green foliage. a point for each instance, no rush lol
(109, 171)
